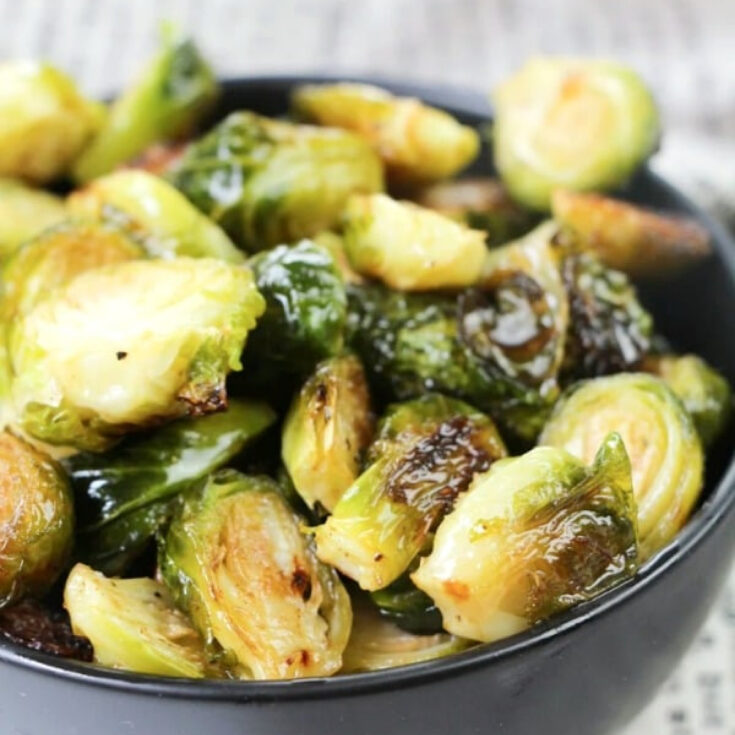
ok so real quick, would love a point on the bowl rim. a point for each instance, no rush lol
(712, 513)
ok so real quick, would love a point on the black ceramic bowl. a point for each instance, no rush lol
(586, 672)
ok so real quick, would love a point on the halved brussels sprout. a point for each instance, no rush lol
(578, 124)
(634, 240)
(237, 561)
(335, 246)
(609, 330)
(269, 181)
(377, 644)
(660, 437)
(44, 121)
(158, 215)
(417, 143)
(175, 90)
(129, 345)
(425, 455)
(408, 247)
(483, 204)
(704, 392)
(133, 625)
(36, 520)
(124, 496)
(24, 212)
(326, 431)
(533, 536)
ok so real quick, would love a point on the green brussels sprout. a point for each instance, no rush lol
(44, 121)
(124, 496)
(130, 345)
(174, 92)
(577, 124)
(268, 181)
(158, 215)
(133, 625)
(424, 456)
(376, 643)
(236, 560)
(609, 330)
(533, 536)
(24, 212)
(335, 246)
(404, 604)
(326, 431)
(660, 437)
(705, 393)
(305, 313)
(483, 204)
(36, 520)
(417, 143)
(634, 240)
(408, 247)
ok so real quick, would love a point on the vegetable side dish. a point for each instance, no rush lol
(285, 398)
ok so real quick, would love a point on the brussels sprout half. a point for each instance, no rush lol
(130, 345)
(268, 181)
(578, 124)
(236, 560)
(408, 247)
(36, 520)
(534, 535)
(417, 143)
(662, 443)
(133, 625)
(425, 455)
(174, 92)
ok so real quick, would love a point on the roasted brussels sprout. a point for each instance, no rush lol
(404, 604)
(125, 495)
(634, 240)
(660, 437)
(609, 331)
(36, 520)
(44, 121)
(335, 246)
(533, 536)
(133, 625)
(175, 90)
(24, 212)
(704, 392)
(237, 562)
(424, 456)
(158, 215)
(483, 204)
(268, 181)
(578, 124)
(408, 247)
(417, 143)
(128, 345)
(326, 431)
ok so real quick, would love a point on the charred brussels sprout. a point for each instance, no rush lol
(44, 121)
(129, 345)
(408, 247)
(237, 561)
(125, 495)
(326, 431)
(704, 392)
(176, 89)
(133, 625)
(533, 536)
(634, 240)
(425, 455)
(36, 520)
(660, 437)
(418, 143)
(154, 212)
(268, 181)
(578, 124)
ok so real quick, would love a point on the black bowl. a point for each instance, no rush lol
(585, 672)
